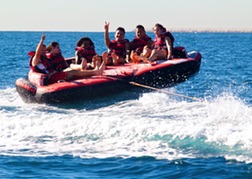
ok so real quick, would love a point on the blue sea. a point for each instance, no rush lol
(153, 135)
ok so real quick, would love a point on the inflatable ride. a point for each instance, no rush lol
(115, 79)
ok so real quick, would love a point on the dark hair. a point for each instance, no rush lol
(121, 29)
(140, 27)
(159, 26)
(52, 44)
(82, 40)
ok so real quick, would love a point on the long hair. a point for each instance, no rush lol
(160, 26)
(82, 40)
(51, 45)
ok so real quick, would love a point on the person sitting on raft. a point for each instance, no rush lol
(85, 50)
(141, 45)
(118, 49)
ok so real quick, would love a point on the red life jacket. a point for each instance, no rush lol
(44, 61)
(47, 65)
(87, 53)
(138, 44)
(159, 42)
(31, 54)
(119, 48)
(57, 62)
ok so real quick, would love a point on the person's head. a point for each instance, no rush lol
(119, 34)
(85, 42)
(158, 29)
(140, 31)
(53, 48)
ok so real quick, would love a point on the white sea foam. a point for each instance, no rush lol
(153, 125)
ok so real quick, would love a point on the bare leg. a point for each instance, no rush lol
(146, 52)
(82, 66)
(73, 67)
(153, 55)
(73, 74)
(158, 55)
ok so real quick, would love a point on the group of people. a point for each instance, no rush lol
(141, 49)
(49, 60)
(87, 62)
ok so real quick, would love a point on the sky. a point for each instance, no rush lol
(90, 15)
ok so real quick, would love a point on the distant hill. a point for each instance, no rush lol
(203, 30)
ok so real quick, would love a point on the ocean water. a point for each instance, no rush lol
(154, 135)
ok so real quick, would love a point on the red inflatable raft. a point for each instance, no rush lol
(115, 79)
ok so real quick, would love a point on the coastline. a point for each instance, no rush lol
(211, 30)
(245, 30)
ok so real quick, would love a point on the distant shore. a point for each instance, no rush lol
(207, 30)
(248, 30)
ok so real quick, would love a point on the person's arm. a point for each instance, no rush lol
(36, 58)
(106, 34)
(76, 57)
(149, 44)
(127, 47)
(169, 47)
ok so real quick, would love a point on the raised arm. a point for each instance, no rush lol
(106, 34)
(36, 58)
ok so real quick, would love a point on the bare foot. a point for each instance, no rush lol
(96, 69)
(95, 59)
(101, 68)
(83, 64)
(105, 57)
(133, 56)
(115, 59)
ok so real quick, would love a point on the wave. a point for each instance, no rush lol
(155, 124)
